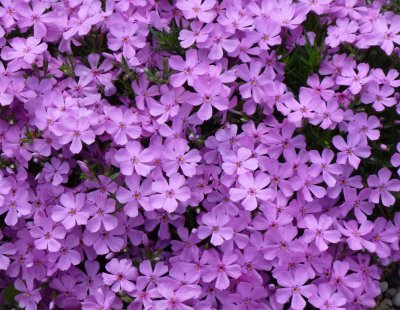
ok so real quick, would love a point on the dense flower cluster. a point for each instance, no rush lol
(190, 154)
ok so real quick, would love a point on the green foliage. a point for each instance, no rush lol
(68, 67)
(168, 41)
(159, 77)
(305, 60)
(302, 62)
(8, 294)
(318, 138)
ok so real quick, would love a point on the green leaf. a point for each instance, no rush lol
(9, 294)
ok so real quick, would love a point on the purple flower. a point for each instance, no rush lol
(322, 163)
(101, 214)
(382, 186)
(380, 97)
(16, 205)
(365, 125)
(133, 158)
(255, 80)
(29, 296)
(120, 276)
(190, 69)
(198, 34)
(221, 269)
(216, 226)
(294, 287)
(136, 195)
(307, 181)
(352, 150)
(122, 125)
(6, 250)
(197, 9)
(71, 212)
(320, 232)
(267, 33)
(67, 255)
(128, 36)
(355, 234)
(354, 80)
(102, 298)
(327, 298)
(208, 95)
(47, 235)
(179, 156)
(56, 171)
(252, 188)
(23, 49)
(75, 130)
(174, 298)
(169, 193)
(239, 161)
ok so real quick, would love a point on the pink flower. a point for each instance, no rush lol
(388, 33)
(214, 225)
(47, 235)
(122, 124)
(71, 212)
(327, 298)
(365, 126)
(239, 161)
(322, 163)
(197, 9)
(355, 235)
(190, 69)
(75, 130)
(354, 80)
(344, 31)
(136, 195)
(25, 49)
(56, 171)
(167, 107)
(120, 276)
(179, 155)
(29, 297)
(382, 187)
(209, 94)
(133, 158)
(267, 33)
(293, 287)
(168, 194)
(221, 269)
(380, 97)
(253, 189)
(255, 81)
(352, 150)
(197, 34)
(101, 214)
(319, 231)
